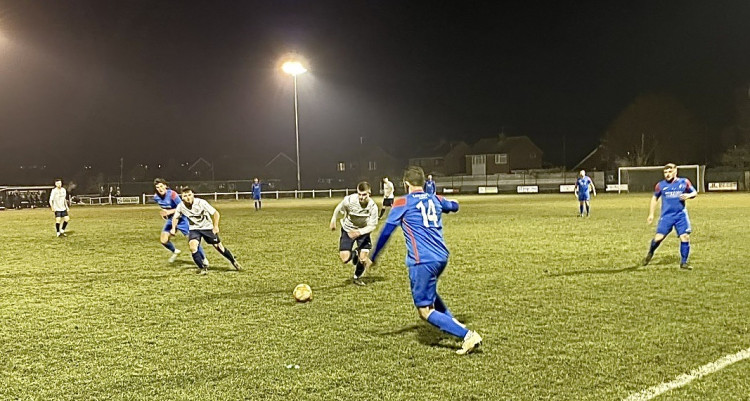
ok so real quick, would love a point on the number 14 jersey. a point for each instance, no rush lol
(419, 215)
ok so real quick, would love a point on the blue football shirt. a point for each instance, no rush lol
(419, 215)
(670, 192)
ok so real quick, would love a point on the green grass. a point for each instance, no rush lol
(565, 312)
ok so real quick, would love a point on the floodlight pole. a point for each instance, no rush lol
(296, 129)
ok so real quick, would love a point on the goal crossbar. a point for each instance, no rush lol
(699, 171)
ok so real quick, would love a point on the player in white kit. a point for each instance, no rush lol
(58, 202)
(360, 219)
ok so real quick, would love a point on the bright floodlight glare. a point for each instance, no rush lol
(293, 68)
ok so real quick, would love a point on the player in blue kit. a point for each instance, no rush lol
(673, 191)
(419, 216)
(429, 185)
(167, 199)
(584, 187)
(256, 194)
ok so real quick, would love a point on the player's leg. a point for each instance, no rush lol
(588, 208)
(213, 239)
(193, 243)
(184, 227)
(683, 230)
(165, 237)
(58, 220)
(364, 244)
(423, 281)
(66, 219)
(662, 229)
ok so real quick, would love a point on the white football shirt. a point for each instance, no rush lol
(198, 215)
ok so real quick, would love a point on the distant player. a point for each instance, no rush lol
(256, 194)
(204, 224)
(167, 199)
(419, 216)
(58, 202)
(673, 191)
(360, 219)
(584, 188)
(429, 185)
(387, 197)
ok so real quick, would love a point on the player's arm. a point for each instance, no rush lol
(175, 220)
(652, 209)
(385, 234)
(690, 192)
(448, 205)
(216, 217)
(593, 187)
(336, 212)
(51, 199)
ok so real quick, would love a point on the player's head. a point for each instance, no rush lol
(363, 191)
(582, 173)
(187, 195)
(255, 180)
(385, 179)
(58, 182)
(429, 177)
(670, 171)
(414, 177)
(161, 186)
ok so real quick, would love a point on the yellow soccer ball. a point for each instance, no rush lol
(302, 293)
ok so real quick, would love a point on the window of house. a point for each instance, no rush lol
(501, 159)
(532, 155)
(341, 166)
(477, 159)
(372, 166)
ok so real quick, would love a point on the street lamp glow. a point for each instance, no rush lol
(293, 68)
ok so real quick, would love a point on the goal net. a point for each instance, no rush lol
(643, 179)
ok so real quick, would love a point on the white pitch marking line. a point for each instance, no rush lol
(684, 379)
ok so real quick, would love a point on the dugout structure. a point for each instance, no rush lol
(643, 179)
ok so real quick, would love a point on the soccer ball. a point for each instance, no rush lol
(302, 293)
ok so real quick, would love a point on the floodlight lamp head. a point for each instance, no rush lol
(293, 68)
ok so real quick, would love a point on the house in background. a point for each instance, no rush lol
(371, 163)
(280, 173)
(445, 158)
(502, 155)
(600, 159)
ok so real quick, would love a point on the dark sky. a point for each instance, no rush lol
(88, 82)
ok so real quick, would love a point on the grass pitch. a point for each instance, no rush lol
(565, 309)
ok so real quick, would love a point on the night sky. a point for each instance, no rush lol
(88, 82)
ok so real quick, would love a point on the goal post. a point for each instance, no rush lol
(644, 178)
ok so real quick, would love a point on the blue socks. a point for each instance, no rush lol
(441, 307)
(588, 209)
(169, 245)
(445, 323)
(684, 252)
(580, 209)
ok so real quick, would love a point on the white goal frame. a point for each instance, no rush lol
(698, 169)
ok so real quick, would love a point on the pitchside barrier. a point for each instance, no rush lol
(239, 195)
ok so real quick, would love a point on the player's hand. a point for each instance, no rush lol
(173, 231)
(353, 234)
(215, 230)
(332, 226)
(650, 218)
(684, 197)
(163, 213)
(594, 194)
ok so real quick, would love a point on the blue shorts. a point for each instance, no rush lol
(423, 278)
(182, 226)
(256, 196)
(583, 197)
(680, 222)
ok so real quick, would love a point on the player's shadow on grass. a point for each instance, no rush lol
(595, 271)
(428, 335)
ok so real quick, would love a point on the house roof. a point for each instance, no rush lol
(281, 157)
(437, 150)
(501, 144)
